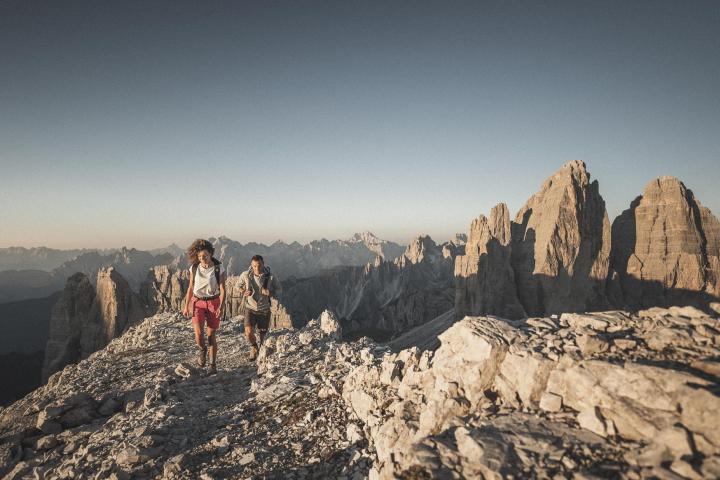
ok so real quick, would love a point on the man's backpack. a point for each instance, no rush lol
(216, 263)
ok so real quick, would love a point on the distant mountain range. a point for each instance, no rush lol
(37, 272)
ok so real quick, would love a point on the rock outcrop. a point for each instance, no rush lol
(666, 248)
(69, 316)
(599, 395)
(484, 277)
(561, 245)
(85, 319)
(165, 288)
(553, 258)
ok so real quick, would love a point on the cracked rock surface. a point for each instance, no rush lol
(592, 395)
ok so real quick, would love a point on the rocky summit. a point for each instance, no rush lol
(141, 408)
(595, 395)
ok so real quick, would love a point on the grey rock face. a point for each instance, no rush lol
(165, 288)
(666, 248)
(86, 319)
(382, 298)
(484, 278)
(561, 245)
(69, 315)
(553, 258)
(498, 398)
(139, 408)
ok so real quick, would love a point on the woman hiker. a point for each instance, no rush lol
(205, 297)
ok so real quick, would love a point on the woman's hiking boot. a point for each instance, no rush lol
(253, 352)
(212, 370)
(202, 355)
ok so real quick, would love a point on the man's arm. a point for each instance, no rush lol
(243, 284)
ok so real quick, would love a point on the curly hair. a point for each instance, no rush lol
(198, 246)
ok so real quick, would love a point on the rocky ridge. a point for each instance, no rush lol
(604, 394)
(139, 408)
(382, 298)
(584, 396)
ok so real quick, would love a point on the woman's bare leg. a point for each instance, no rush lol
(212, 341)
(198, 335)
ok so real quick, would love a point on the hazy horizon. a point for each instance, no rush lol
(145, 124)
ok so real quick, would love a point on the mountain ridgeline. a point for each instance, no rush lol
(494, 355)
(560, 254)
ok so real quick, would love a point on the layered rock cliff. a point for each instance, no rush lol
(87, 318)
(666, 248)
(69, 316)
(484, 277)
(164, 288)
(561, 245)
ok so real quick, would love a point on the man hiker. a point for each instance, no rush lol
(257, 285)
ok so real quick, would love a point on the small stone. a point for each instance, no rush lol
(590, 419)
(592, 344)
(550, 402)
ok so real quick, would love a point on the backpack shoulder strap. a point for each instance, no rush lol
(217, 262)
(266, 280)
(193, 271)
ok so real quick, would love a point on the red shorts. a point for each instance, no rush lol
(206, 310)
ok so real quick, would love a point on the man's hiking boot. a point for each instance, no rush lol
(202, 355)
(253, 352)
(212, 370)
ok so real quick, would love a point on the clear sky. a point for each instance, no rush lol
(144, 123)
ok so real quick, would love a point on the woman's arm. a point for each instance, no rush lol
(189, 293)
(222, 293)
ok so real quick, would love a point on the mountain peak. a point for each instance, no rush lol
(366, 237)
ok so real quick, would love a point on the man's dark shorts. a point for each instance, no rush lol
(255, 319)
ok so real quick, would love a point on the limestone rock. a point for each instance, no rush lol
(561, 245)
(666, 248)
(164, 289)
(462, 410)
(85, 320)
(69, 316)
(484, 278)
